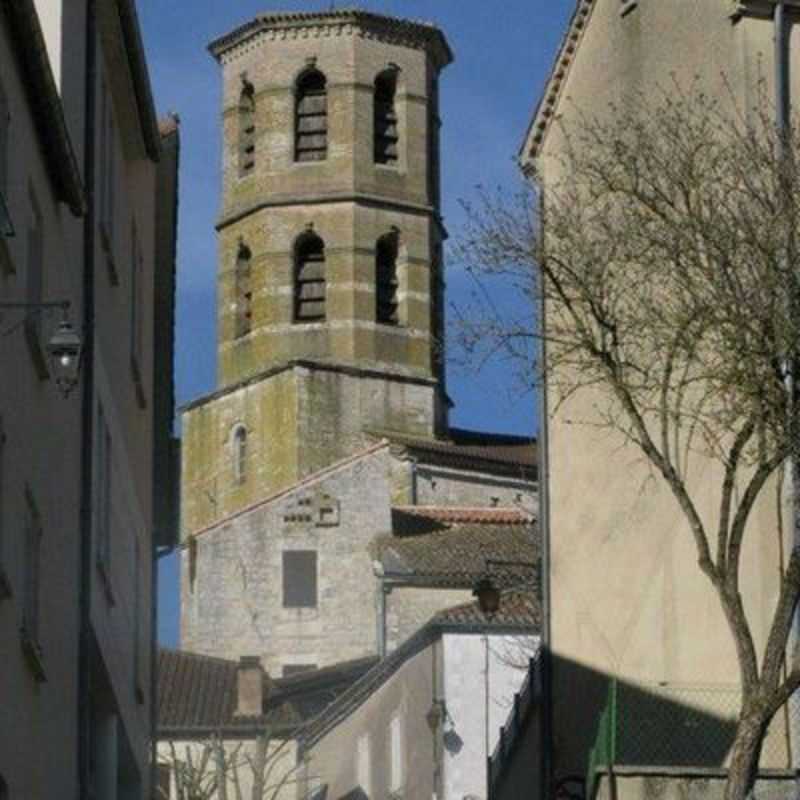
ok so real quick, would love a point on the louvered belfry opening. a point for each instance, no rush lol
(311, 117)
(309, 287)
(386, 136)
(247, 130)
(386, 280)
(244, 292)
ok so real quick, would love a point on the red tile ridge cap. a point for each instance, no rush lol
(510, 515)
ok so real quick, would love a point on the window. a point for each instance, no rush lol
(136, 314)
(138, 650)
(385, 117)
(239, 455)
(287, 670)
(309, 284)
(311, 117)
(243, 291)
(363, 770)
(386, 279)
(31, 575)
(396, 776)
(300, 579)
(247, 129)
(103, 472)
(34, 286)
(107, 175)
(5, 587)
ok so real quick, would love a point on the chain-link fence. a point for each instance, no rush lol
(660, 726)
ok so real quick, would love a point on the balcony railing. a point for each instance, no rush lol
(667, 727)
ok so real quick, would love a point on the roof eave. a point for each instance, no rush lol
(45, 102)
(545, 110)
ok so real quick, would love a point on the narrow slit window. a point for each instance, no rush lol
(311, 117)
(309, 285)
(386, 305)
(386, 131)
(244, 292)
(240, 454)
(247, 130)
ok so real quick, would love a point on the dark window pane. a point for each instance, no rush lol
(300, 579)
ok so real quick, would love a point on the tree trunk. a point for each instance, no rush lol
(745, 755)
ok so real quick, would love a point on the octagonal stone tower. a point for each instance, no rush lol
(330, 313)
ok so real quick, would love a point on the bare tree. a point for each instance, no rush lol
(260, 768)
(661, 248)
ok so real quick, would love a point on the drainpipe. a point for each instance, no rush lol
(84, 743)
(783, 109)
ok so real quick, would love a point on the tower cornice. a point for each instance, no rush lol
(344, 22)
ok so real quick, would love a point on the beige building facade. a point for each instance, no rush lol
(626, 597)
(83, 161)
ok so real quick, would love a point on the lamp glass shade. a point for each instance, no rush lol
(64, 350)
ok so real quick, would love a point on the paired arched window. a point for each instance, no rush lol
(239, 453)
(243, 280)
(386, 279)
(247, 129)
(309, 279)
(311, 117)
(385, 118)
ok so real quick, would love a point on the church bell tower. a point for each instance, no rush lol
(330, 313)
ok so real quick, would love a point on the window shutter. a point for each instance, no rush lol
(311, 118)
(300, 579)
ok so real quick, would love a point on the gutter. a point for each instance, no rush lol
(141, 79)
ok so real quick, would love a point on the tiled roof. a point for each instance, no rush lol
(474, 450)
(199, 692)
(517, 607)
(451, 514)
(454, 553)
(519, 618)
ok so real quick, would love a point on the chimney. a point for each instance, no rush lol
(251, 687)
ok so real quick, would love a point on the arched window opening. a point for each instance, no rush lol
(386, 304)
(311, 117)
(247, 129)
(239, 444)
(386, 135)
(244, 292)
(309, 284)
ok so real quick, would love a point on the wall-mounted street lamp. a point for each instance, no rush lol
(64, 346)
(487, 591)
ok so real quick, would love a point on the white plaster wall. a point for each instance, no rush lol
(464, 666)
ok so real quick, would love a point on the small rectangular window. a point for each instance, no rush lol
(103, 472)
(31, 576)
(300, 579)
(396, 771)
(34, 285)
(363, 766)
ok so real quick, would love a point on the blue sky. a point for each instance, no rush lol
(503, 51)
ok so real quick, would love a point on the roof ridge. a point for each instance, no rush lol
(308, 480)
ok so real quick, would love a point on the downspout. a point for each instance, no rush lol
(381, 616)
(782, 123)
(87, 416)
(545, 659)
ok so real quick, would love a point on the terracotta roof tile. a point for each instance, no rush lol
(517, 607)
(455, 553)
(199, 692)
(452, 514)
(474, 450)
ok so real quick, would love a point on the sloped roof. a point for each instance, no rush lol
(197, 693)
(522, 618)
(544, 113)
(454, 553)
(465, 514)
(476, 450)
